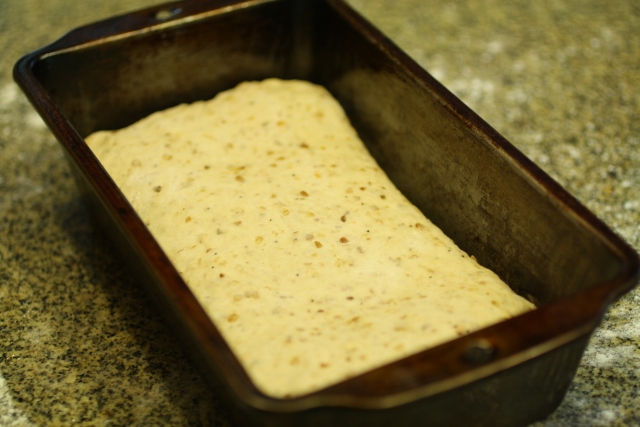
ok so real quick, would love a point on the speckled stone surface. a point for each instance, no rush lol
(79, 345)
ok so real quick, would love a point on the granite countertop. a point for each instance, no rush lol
(79, 343)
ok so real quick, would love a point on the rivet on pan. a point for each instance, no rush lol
(164, 14)
(480, 351)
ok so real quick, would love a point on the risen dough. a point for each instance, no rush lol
(314, 267)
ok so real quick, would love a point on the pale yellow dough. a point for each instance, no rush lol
(314, 267)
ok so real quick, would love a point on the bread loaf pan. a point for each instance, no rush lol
(471, 182)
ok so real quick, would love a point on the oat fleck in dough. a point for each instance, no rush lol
(314, 267)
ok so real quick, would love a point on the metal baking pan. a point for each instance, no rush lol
(493, 201)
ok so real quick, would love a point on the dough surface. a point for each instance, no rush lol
(314, 267)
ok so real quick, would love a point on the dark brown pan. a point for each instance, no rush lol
(494, 202)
